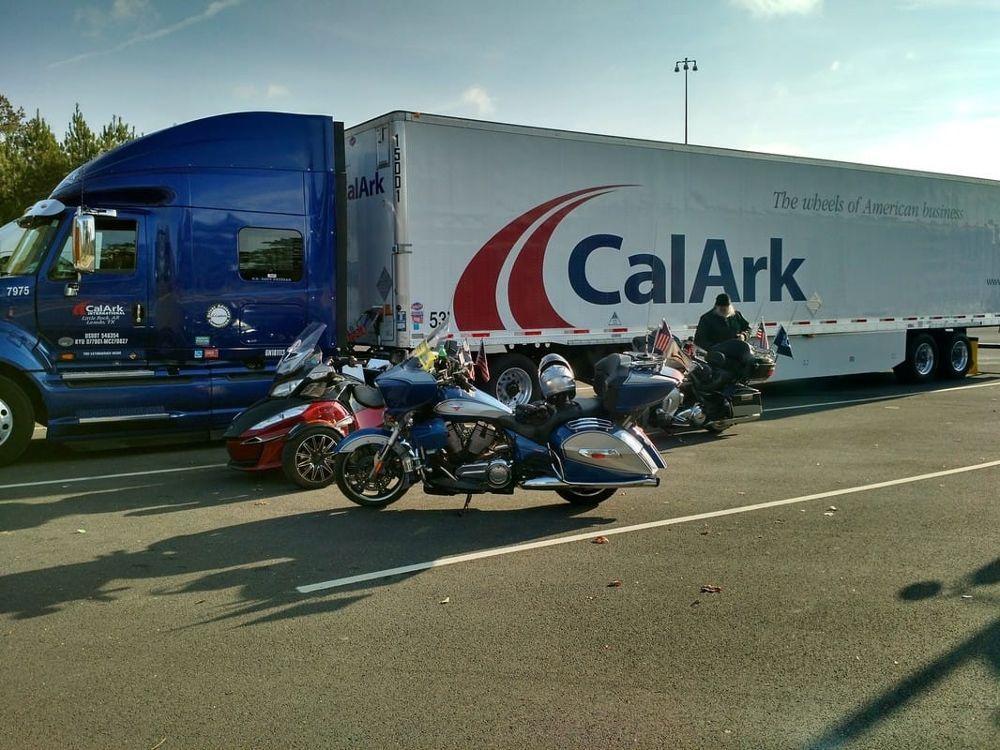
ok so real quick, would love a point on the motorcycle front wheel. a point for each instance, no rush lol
(583, 496)
(354, 477)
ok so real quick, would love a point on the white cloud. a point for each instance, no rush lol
(211, 10)
(276, 91)
(835, 66)
(479, 99)
(125, 9)
(767, 8)
(964, 145)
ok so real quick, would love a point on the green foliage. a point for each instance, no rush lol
(33, 160)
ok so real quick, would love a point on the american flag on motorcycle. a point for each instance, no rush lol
(761, 336)
(481, 366)
(662, 339)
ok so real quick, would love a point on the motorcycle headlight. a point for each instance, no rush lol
(286, 388)
(280, 417)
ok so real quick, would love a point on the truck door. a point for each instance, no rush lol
(100, 320)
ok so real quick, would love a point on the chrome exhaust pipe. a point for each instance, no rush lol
(739, 420)
(553, 483)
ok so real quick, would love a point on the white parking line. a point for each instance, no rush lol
(110, 476)
(511, 549)
(888, 397)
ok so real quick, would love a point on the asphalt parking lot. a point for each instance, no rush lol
(151, 598)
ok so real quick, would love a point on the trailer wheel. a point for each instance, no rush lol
(921, 360)
(513, 379)
(17, 421)
(957, 357)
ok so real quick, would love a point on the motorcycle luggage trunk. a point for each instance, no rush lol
(763, 368)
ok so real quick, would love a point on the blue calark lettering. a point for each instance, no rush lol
(715, 271)
(362, 187)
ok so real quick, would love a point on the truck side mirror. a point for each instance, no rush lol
(84, 243)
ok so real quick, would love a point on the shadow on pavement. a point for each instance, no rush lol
(135, 500)
(983, 645)
(265, 560)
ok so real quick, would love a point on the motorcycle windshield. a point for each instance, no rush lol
(302, 348)
(425, 353)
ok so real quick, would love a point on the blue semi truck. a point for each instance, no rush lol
(154, 290)
(150, 292)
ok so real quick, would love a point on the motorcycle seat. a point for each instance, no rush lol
(369, 396)
(576, 409)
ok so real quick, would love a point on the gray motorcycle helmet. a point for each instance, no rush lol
(555, 376)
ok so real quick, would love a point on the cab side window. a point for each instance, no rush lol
(117, 240)
(270, 254)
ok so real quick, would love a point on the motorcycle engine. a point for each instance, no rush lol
(479, 453)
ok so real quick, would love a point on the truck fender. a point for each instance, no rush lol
(20, 350)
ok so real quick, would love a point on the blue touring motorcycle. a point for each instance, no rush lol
(457, 440)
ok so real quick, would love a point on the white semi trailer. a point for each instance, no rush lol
(533, 240)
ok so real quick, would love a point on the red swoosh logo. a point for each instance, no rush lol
(475, 304)
(529, 302)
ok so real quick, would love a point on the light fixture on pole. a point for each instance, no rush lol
(691, 65)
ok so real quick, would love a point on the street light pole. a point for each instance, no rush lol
(693, 65)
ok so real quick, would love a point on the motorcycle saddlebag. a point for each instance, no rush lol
(746, 402)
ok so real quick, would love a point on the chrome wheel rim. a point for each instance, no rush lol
(514, 387)
(357, 470)
(959, 356)
(6, 421)
(923, 359)
(314, 458)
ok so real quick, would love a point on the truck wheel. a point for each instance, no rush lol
(957, 357)
(307, 459)
(17, 421)
(513, 379)
(921, 360)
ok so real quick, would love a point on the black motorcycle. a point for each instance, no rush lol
(715, 390)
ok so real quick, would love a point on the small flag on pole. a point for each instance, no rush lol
(482, 366)
(761, 336)
(781, 343)
(662, 339)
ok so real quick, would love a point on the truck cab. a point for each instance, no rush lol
(156, 287)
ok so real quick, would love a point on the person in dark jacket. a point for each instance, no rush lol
(722, 323)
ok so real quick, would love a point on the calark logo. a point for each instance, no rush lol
(652, 281)
(93, 314)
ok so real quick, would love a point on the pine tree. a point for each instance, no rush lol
(115, 134)
(33, 161)
(80, 143)
(39, 162)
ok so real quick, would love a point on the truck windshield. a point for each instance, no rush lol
(22, 248)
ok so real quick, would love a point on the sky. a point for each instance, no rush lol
(906, 83)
